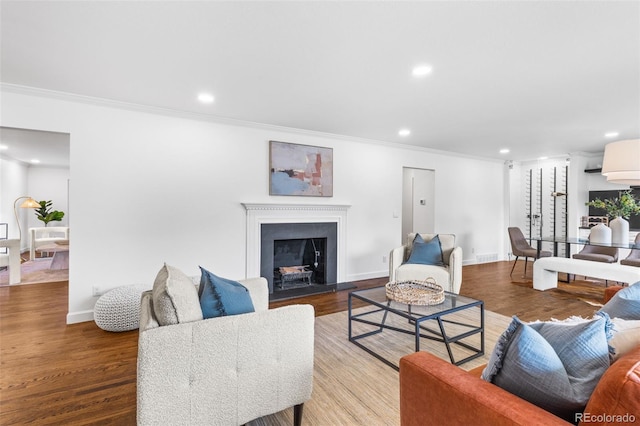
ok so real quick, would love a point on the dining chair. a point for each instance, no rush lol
(596, 253)
(634, 256)
(520, 247)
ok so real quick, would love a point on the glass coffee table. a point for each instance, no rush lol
(416, 320)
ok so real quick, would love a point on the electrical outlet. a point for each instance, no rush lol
(384, 259)
(96, 291)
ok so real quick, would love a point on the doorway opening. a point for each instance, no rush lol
(418, 201)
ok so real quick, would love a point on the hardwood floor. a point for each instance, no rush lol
(52, 373)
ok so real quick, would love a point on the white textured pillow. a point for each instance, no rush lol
(626, 336)
(175, 298)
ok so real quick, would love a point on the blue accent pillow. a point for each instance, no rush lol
(554, 365)
(221, 296)
(429, 253)
(624, 304)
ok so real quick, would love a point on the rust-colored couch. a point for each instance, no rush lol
(433, 391)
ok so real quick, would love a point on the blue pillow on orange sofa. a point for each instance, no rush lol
(220, 296)
(554, 365)
(426, 253)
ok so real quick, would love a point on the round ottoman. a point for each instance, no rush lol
(119, 309)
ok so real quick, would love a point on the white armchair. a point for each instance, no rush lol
(227, 370)
(449, 276)
(43, 236)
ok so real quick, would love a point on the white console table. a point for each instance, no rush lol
(14, 259)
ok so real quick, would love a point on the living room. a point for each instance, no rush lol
(164, 174)
(153, 183)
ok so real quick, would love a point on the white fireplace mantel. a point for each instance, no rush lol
(257, 214)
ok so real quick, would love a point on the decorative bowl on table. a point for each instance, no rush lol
(414, 292)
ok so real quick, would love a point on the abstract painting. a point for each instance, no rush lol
(300, 170)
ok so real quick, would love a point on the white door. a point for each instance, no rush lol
(418, 201)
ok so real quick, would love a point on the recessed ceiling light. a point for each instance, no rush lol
(206, 98)
(611, 135)
(35, 161)
(543, 158)
(504, 151)
(3, 147)
(421, 70)
(404, 132)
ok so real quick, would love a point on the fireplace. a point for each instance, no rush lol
(305, 220)
(306, 251)
(299, 262)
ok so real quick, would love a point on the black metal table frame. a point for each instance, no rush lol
(417, 320)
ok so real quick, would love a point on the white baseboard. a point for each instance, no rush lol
(82, 316)
(368, 275)
(483, 259)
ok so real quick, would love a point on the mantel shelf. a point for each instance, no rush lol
(294, 207)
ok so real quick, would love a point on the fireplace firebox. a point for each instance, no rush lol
(295, 255)
(299, 262)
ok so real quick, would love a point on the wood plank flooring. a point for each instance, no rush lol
(52, 373)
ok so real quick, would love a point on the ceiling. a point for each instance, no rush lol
(50, 149)
(541, 78)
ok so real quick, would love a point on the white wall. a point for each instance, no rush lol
(49, 183)
(14, 184)
(148, 188)
(516, 210)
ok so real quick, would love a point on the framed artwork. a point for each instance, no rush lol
(300, 170)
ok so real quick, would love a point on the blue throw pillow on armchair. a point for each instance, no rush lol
(221, 296)
(429, 253)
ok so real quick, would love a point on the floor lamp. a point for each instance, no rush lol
(29, 203)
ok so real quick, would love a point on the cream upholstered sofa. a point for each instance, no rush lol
(449, 276)
(43, 236)
(227, 370)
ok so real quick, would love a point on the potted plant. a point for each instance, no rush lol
(45, 214)
(620, 208)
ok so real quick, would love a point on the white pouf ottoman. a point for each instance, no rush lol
(119, 309)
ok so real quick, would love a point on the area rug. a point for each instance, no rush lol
(351, 387)
(36, 271)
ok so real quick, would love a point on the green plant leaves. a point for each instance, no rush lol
(624, 205)
(45, 214)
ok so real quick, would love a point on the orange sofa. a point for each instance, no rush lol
(433, 391)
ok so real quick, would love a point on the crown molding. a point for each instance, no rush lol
(111, 103)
